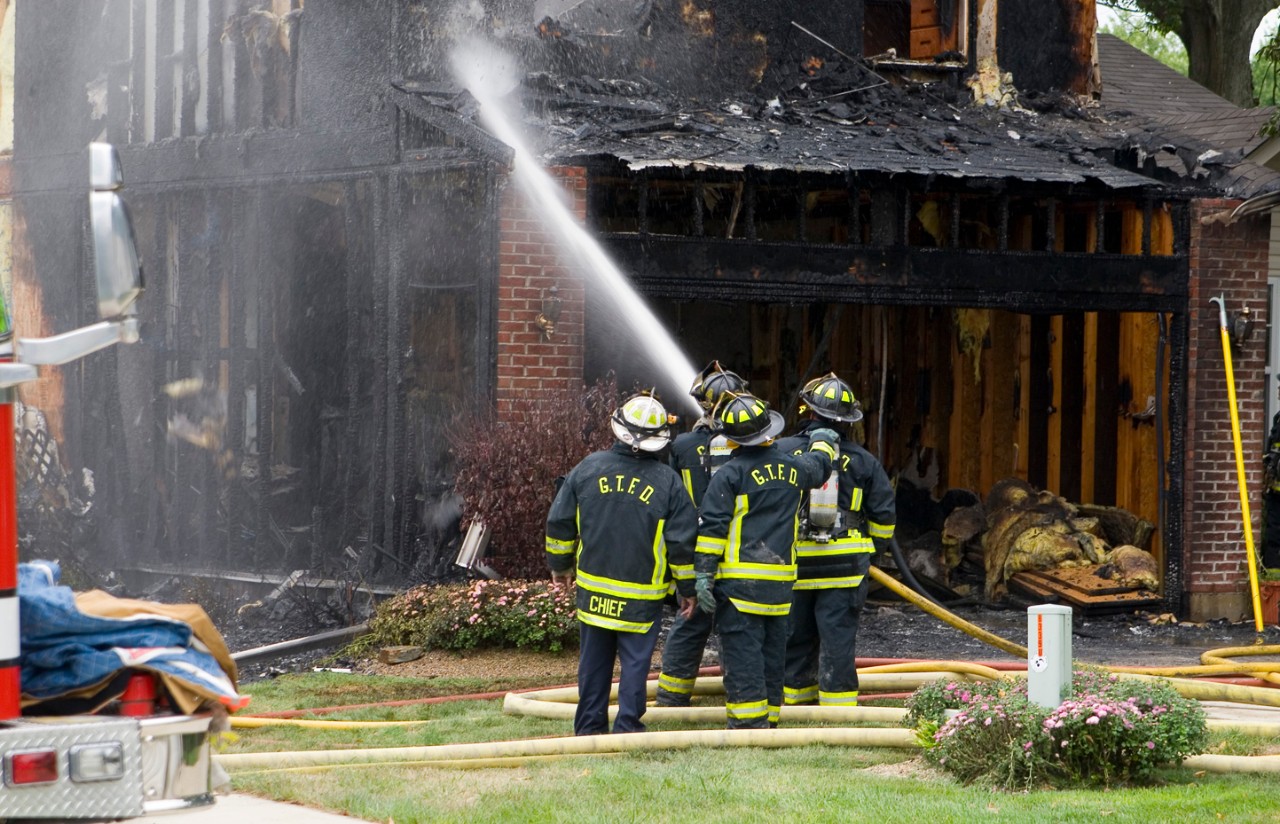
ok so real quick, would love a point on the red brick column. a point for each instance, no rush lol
(530, 262)
(1231, 261)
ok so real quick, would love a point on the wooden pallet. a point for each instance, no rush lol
(1081, 588)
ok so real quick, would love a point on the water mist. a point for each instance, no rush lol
(489, 74)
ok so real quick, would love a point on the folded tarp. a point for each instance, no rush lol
(76, 647)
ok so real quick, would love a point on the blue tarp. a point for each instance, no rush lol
(65, 650)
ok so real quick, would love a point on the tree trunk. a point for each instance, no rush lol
(1218, 34)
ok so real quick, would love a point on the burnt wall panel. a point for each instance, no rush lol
(345, 49)
(59, 62)
(1041, 43)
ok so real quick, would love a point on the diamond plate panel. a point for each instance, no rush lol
(63, 798)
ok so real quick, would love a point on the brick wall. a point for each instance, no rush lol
(529, 264)
(1228, 260)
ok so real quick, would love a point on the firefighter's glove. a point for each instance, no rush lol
(826, 441)
(703, 583)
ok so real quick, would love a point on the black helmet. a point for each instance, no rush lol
(714, 381)
(831, 398)
(746, 420)
(641, 423)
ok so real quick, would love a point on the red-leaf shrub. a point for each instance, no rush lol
(507, 469)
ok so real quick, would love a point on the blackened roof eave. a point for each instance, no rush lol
(1161, 107)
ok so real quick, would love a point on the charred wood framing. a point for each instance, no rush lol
(1175, 597)
(690, 269)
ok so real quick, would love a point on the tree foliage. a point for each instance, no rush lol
(1217, 34)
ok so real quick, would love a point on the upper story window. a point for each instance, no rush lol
(203, 67)
(915, 29)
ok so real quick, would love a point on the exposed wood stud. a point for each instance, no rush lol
(1002, 230)
(955, 220)
(643, 204)
(1050, 224)
(1100, 226)
(699, 193)
(1148, 207)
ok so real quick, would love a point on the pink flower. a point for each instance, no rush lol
(1151, 745)
(1093, 719)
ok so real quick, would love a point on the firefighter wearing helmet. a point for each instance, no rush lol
(613, 508)
(691, 457)
(834, 553)
(745, 561)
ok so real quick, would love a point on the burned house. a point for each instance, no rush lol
(1016, 279)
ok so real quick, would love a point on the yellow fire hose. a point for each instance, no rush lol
(583, 745)
(1240, 477)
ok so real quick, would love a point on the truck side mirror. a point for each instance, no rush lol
(115, 253)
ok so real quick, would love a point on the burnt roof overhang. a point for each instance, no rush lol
(933, 141)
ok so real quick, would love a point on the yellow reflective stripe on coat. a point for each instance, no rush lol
(670, 683)
(879, 530)
(686, 475)
(838, 699)
(823, 447)
(710, 546)
(840, 546)
(800, 695)
(758, 572)
(622, 589)
(842, 582)
(660, 555)
(733, 542)
(753, 608)
(775, 713)
(557, 547)
(747, 709)
(682, 572)
(613, 623)
(855, 500)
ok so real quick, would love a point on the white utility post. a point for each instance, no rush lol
(1048, 653)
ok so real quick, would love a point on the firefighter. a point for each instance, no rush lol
(833, 556)
(1271, 493)
(745, 560)
(691, 457)
(619, 521)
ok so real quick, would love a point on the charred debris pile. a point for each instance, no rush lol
(1027, 539)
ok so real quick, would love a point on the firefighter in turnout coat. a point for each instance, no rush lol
(1271, 494)
(622, 522)
(831, 564)
(691, 457)
(745, 561)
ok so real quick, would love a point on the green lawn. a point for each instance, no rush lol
(814, 783)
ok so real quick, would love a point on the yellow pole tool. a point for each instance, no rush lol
(1240, 481)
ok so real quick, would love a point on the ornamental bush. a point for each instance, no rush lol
(1108, 731)
(483, 614)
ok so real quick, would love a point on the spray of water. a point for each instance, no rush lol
(489, 74)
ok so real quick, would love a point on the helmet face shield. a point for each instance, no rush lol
(831, 398)
(641, 423)
(747, 420)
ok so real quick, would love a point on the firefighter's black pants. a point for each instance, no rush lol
(752, 648)
(1271, 531)
(821, 644)
(682, 656)
(598, 649)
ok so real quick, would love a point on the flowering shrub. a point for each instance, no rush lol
(1107, 731)
(527, 614)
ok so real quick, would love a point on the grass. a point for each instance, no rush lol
(817, 784)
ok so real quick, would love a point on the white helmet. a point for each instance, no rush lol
(641, 423)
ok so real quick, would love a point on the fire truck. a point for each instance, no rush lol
(100, 766)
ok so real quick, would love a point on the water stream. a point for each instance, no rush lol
(489, 75)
